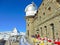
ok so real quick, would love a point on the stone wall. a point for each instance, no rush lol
(46, 22)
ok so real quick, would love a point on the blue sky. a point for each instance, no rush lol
(12, 14)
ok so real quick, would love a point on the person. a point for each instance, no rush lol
(38, 36)
(23, 41)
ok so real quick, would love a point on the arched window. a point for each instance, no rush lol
(41, 31)
(46, 30)
(37, 31)
(44, 13)
(49, 8)
(53, 31)
(28, 24)
(58, 1)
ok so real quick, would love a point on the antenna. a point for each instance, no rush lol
(33, 3)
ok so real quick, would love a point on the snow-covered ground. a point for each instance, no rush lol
(22, 33)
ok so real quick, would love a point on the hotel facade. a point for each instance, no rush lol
(45, 20)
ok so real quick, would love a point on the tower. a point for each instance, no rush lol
(30, 10)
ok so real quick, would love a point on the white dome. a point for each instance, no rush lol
(31, 9)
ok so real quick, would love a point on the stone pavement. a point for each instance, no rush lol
(22, 41)
(14, 43)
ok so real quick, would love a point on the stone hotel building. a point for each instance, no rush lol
(45, 20)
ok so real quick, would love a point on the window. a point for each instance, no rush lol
(45, 26)
(58, 1)
(41, 28)
(28, 24)
(52, 24)
(49, 8)
(53, 30)
(37, 30)
(44, 13)
(43, 4)
(41, 31)
(46, 30)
